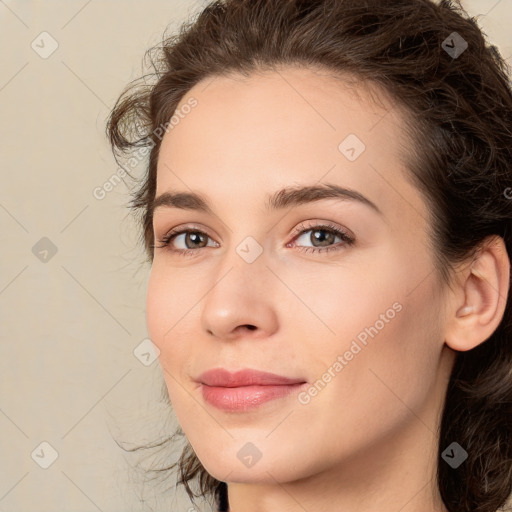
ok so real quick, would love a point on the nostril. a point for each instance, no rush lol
(251, 327)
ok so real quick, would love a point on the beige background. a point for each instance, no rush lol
(69, 325)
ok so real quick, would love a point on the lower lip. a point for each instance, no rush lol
(244, 398)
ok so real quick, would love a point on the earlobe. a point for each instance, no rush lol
(479, 306)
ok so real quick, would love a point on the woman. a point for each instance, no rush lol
(327, 211)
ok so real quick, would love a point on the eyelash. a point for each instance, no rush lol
(346, 239)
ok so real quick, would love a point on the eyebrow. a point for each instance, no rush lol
(284, 198)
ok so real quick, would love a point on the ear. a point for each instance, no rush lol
(478, 303)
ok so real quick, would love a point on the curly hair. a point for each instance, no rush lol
(459, 116)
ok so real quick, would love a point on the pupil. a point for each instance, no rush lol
(326, 240)
(194, 237)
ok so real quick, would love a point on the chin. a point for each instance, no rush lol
(268, 469)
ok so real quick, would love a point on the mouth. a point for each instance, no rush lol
(245, 389)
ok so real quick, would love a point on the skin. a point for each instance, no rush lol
(367, 441)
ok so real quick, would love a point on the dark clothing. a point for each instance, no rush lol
(222, 497)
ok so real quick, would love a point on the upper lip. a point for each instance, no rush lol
(247, 377)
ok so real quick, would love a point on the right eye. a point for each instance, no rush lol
(192, 237)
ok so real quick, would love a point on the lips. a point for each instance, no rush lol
(245, 389)
(223, 378)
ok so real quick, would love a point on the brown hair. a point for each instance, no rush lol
(460, 117)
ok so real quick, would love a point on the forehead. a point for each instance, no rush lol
(287, 126)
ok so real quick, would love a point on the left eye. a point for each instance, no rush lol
(323, 235)
(194, 238)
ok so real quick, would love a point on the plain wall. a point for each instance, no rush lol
(70, 321)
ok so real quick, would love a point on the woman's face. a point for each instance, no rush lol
(356, 317)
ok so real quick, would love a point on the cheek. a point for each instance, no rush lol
(156, 307)
(161, 317)
(165, 309)
(388, 366)
(171, 308)
(386, 328)
(345, 303)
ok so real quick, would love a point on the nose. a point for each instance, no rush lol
(241, 301)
